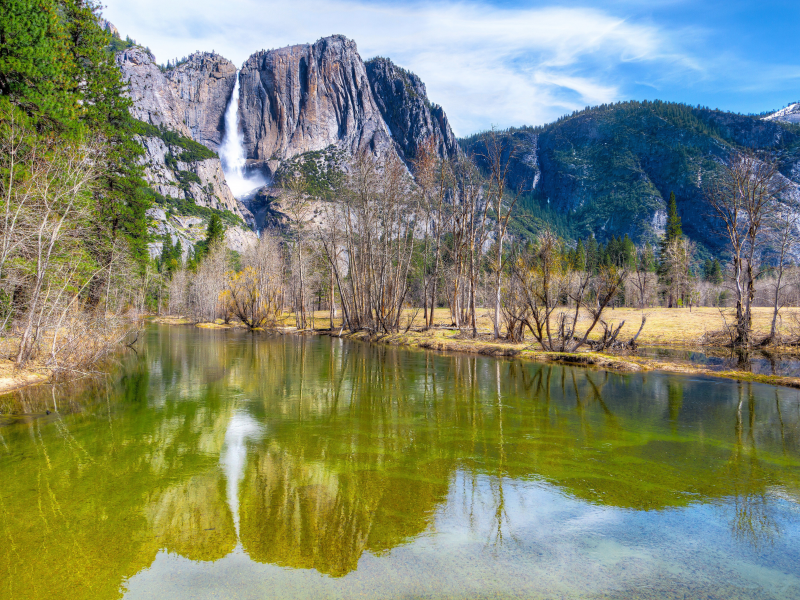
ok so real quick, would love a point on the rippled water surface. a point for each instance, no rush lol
(226, 465)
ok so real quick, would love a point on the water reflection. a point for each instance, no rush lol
(242, 428)
(321, 457)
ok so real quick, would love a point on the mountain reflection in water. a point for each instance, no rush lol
(224, 462)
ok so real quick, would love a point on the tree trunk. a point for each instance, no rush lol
(497, 284)
(333, 301)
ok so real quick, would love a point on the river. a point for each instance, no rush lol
(223, 464)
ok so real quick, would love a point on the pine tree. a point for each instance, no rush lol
(629, 253)
(36, 67)
(166, 254)
(215, 231)
(580, 257)
(56, 67)
(673, 236)
(105, 111)
(674, 229)
(592, 255)
(716, 272)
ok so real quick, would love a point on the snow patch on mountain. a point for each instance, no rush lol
(790, 114)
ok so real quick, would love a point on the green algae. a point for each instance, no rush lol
(352, 454)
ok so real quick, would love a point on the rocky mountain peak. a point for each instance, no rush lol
(190, 98)
(412, 119)
(108, 26)
(308, 97)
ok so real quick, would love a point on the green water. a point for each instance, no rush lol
(225, 465)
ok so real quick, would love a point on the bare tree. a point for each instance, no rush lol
(58, 205)
(742, 198)
(297, 206)
(644, 279)
(542, 277)
(208, 283)
(783, 224)
(499, 152)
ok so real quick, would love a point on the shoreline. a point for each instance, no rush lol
(448, 341)
(605, 361)
(13, 379)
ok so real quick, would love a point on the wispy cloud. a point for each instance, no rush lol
(486, 65)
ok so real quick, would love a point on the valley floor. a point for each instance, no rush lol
(675, 327)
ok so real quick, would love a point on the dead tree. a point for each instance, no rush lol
(498, 155)
(742, 197)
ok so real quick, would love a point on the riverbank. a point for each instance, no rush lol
(675, 328)
(12, 379)
(449, 341)
(682, 329)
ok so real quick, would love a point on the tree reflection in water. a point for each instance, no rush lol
(310, 453)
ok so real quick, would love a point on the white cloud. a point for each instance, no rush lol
(485, 65)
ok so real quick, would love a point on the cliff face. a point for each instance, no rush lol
(201, 181)
(190, 98)
(308, 97)
(412, 119)
(181, 183)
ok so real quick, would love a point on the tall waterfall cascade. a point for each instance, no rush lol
(232, 154)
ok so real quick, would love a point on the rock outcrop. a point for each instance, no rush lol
(190, 98)
(412, 119)
(175, 180)
(108, 27)
(189, 230)
(309, 97)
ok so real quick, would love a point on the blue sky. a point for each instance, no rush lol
(508, 63)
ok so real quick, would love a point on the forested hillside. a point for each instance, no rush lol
(608, 170)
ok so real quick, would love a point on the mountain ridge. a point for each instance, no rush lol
(606, 170)
(611, 168)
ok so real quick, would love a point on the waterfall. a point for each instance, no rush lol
(231, 151)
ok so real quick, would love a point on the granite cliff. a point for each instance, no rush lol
(190, 98)
(181, 112)
(292, 101)
(412, 118)
(306, 98)
(312, 97)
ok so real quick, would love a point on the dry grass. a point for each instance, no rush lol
(12, 378)
(665, 326)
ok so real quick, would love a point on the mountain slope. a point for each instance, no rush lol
(790, 114)
(610, 168)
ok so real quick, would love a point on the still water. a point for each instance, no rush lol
(220, 464)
